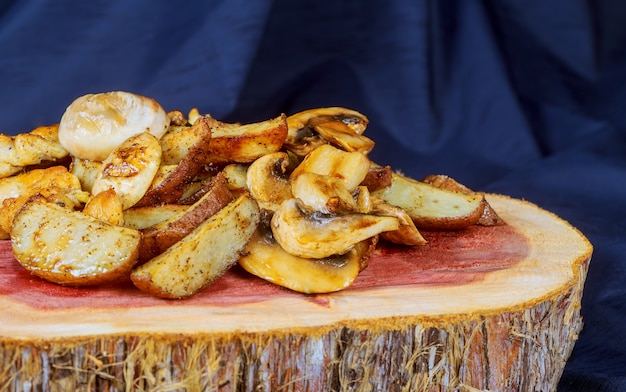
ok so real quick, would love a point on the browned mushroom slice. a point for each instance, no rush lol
(303, 138)
(349, 167)
(319, 235)
(264, 258)
(268, 181)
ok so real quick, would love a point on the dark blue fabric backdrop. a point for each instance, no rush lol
(526, 98)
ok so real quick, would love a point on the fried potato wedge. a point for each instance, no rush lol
(431, 207)
(489, 217)
(86, 171)
(264, 258)
(107, 207)
(55, 183)
(245, 143)
(130, 168)
(203, 255)
(70, 248)
(142, 217)
(236, 175)
(28, 149)
(317, 236)
(377, 177)
(157, 238)
(170, 189)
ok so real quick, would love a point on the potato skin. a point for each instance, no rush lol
(69, 247)
(156, 239)
(203, 255)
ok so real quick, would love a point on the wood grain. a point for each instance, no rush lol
(494, 308)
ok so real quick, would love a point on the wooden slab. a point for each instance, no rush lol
(494, 308)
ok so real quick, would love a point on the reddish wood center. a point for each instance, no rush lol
(449, 258)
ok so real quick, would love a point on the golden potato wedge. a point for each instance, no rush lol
(245, 143)
(130, 168)
(316, 235)
(203, 255)
(170, 189)
(142, 217)
(431, 207)
(68, 247)
(54, 182)
(28, 149)
(489, 217)
(86, 171)
(157, 238)
(264, 258)
(177, 142)
(107, 207)
(236, 175)
(377, 177)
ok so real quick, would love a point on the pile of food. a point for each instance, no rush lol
(122, 189)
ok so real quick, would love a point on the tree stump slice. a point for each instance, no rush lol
(487, 308)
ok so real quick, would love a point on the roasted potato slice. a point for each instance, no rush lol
(142, 217)
(203, 255)
(264, 258)
(86, 171)
(157, 238)
(130, 168)
(431, 207)
(171, 188)
(236, 175)
(245, 143)
(54, 182)
(107, 207)
(69, 247)
(377, 177)
(28, 149)
(489, 217)
(316, 235)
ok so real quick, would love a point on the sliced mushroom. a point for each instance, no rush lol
(407, 233)
(341, 135)
(322, 193)
(264, 258)
(302, 137)
(319, 235)
(349, 167)
(268, 181)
